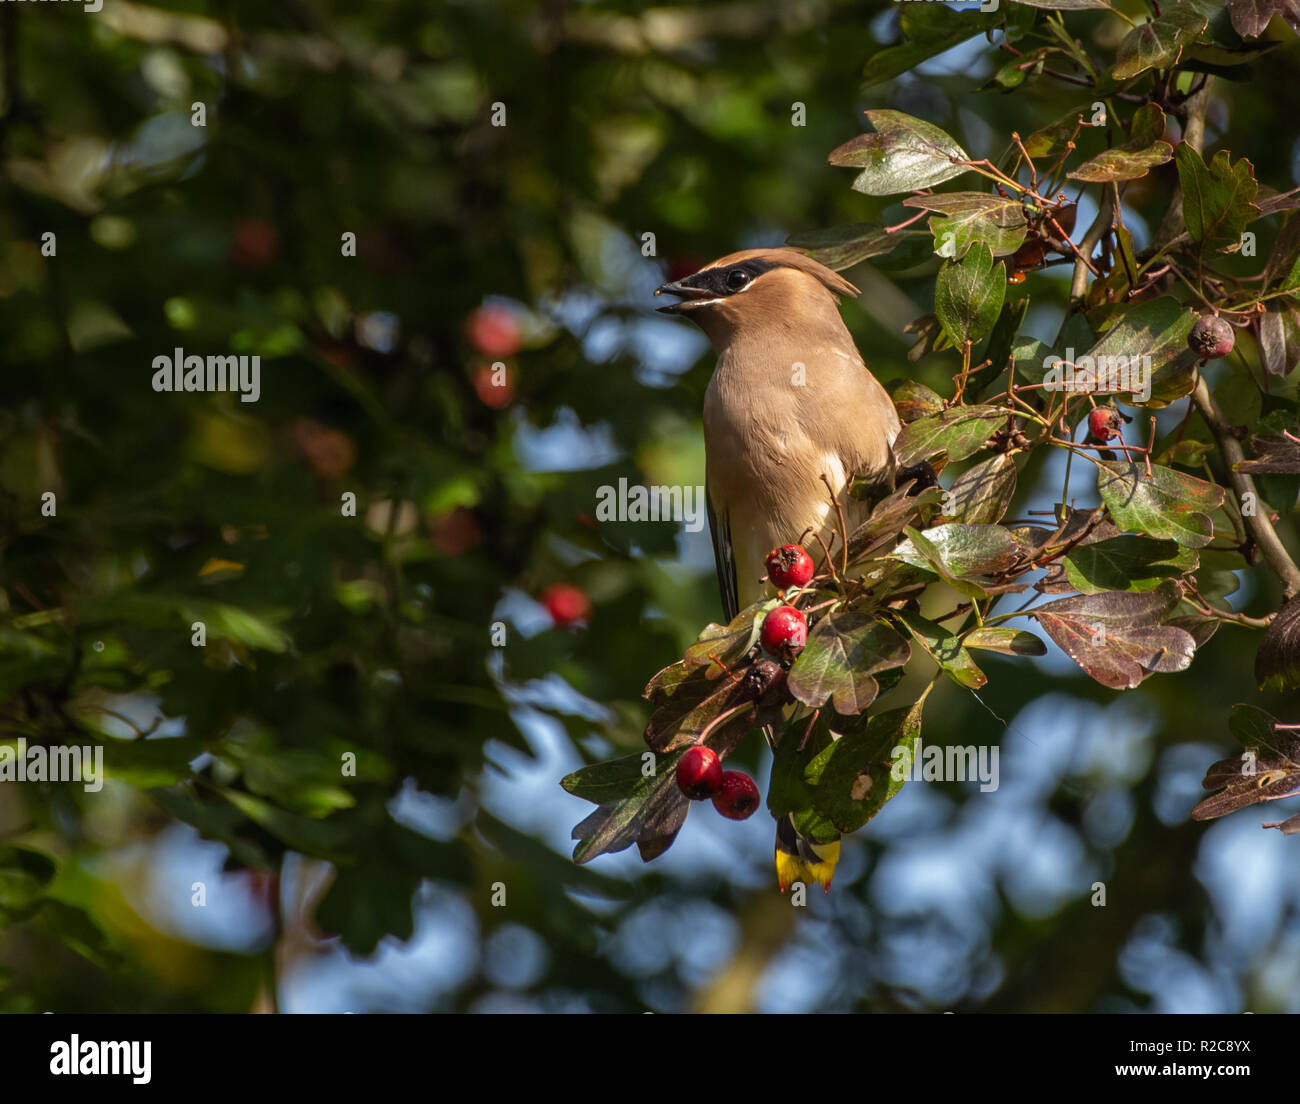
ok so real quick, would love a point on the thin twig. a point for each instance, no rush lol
(844, 529)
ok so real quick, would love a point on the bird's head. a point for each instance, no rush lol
(754, 288)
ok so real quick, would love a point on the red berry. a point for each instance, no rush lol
(699, 773)
(784, 632)
(494, 332)
(255, 243)
(789, 566)
(495, 386)
(738, 797)
(1211, 337)
(566, 604)
(1104, 423)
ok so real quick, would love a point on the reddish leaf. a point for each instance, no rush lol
(1277, 663)
(1118, 638)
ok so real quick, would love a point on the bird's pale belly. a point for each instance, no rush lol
(758, 526)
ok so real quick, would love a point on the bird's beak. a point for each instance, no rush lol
(683, 292)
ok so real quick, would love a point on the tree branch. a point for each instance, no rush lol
(1192, 116)
(1258, 524)
(1094, 234)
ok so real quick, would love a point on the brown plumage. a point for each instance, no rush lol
(790, 400)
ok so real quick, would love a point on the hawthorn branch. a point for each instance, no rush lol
(1260, 527)
(1191, 113)
(1082, 266)
(1100, 225)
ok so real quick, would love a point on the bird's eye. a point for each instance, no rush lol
(737, 278)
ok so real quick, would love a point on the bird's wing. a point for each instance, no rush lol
(724, 559)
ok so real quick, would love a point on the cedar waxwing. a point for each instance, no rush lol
(789, 401)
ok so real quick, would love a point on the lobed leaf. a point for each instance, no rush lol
(902, 154)
(1218, 198)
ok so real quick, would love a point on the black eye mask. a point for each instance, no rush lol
(714, 283)
(723, 281)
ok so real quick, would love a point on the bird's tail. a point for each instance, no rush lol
(799, 859)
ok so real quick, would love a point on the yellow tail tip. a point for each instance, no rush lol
(791, 869)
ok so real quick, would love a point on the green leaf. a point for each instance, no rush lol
(1217, 198)
(946, 649)
(1127, 562)
(958, 432)
(727, 643)
(153, 761)
(1119, 638)
(970, 217)
(1051, 141)
(18, 890)
(1187, 453)
(1065, 5)
(854, 777)
(155, 610)
(1004, 640)
(960, 549)
(1216, 574)
(1145, 346)
(1158, 43)
(888, 518)
(1144, 150)
(1167, 504)
(982, 493)
(844, 650)
(842, 247)
(1011, 75)
(652, 809)
(928, 30)
(912, 400)
(608, 781)
(789, 792)
(968, 295)
(901, 155)
(322, 838)
(299, 780)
